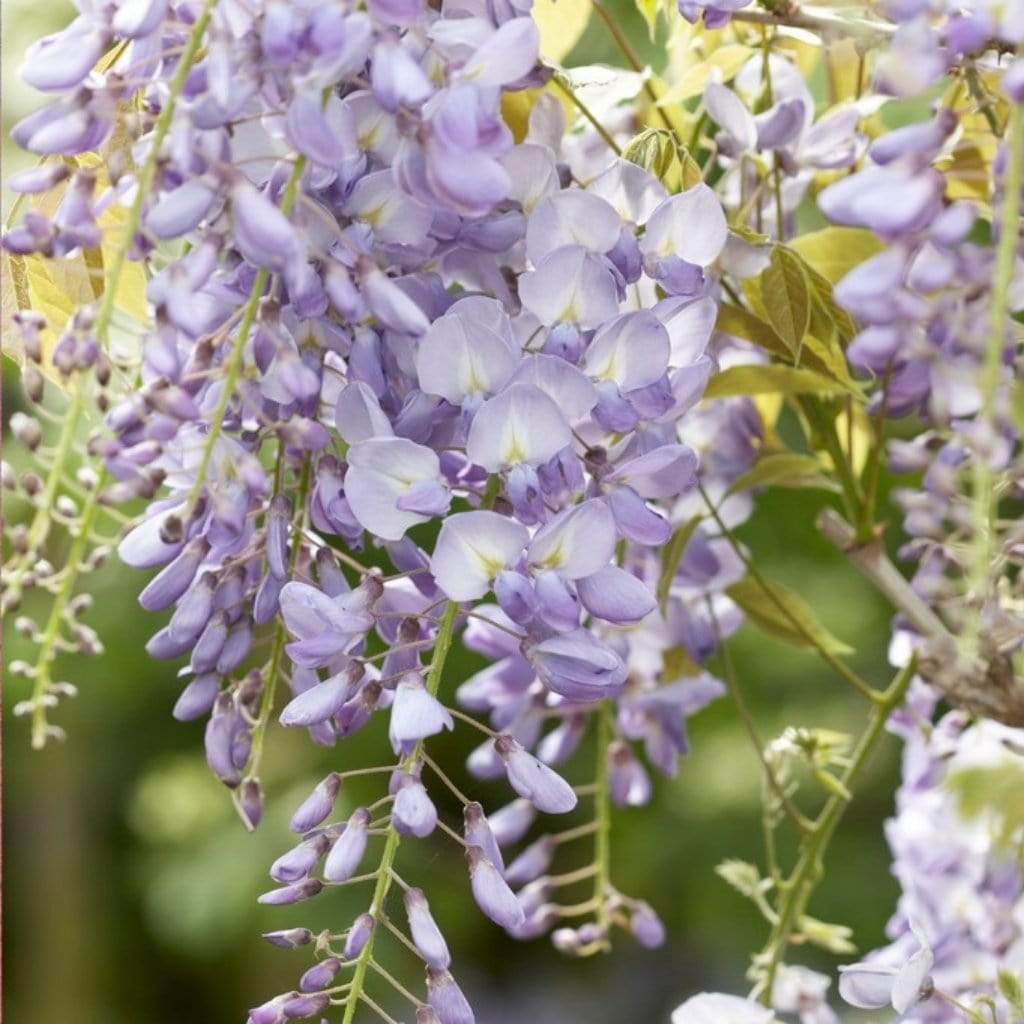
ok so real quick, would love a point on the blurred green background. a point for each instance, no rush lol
(129, 884)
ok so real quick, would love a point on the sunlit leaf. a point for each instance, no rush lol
(671, 555)
(834, 252)
(783, 469)
(771, 379)
(784, 614)
(727, 59)
(561, 23)
(787, 301)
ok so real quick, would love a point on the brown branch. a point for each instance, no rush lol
(985, 686)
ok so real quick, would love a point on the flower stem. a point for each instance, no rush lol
(47, 645)
(144, 179)
(602, 821)
(40, 527)
(233, 365)
(562, 84)
(442, 645)
(277, 650)
(824, 653)
(983, 503)
(808, 870)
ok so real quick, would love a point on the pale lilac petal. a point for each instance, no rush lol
(690, 226)
(381, 471)
(472, 548)
(632, 350)
(519, 425)
(577, 542)
(570, 285)
(616, 596)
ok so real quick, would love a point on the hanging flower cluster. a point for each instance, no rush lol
(374, 310)
(391, 335)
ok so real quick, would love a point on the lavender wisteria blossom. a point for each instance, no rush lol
(397, 335)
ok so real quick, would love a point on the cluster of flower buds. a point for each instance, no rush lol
(939, 341)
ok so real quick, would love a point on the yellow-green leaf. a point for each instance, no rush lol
(561, 23)
(784, 469)
(671, 555)
(834, 252)
(771, 379)
(785, 293)
(649, 12)
(726, 59)
(783, 614)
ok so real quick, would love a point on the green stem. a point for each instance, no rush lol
(144, 179)
(562, 84)
(442, 645)
(983, 504)
(40, 527)
(233, 365)
(280, 634)
(808, 870)
(47, 645)
(824, 653)
(824, 427)
(633, 60)
(602, 821)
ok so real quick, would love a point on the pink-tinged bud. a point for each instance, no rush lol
(531, 863)
(250, 803)
(477, 831)
(197, 698)
(413, 813)
(426, 936)
(320, 975)
(175, 578)
(629, 782)
(446, 999)
(358, 936)
(299, 1007)
(317, 806)
(561, 743)
(646, 926)
(300, 860)
(318, 703)
(295, 893)
(289, 938)
(510, 823)
(491, 891)
(347, 852)
(545, 789)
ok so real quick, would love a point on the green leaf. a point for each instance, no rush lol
(833, 937)
(827, 316)
(677, 664)
(671, 554)
(649, 11)
(1012, 989)
(784, 469)
(834, 252)
(996, 790)
(724, 63)
(824, 357)
(786, 295)
(742, 876)
(561, 24)
(771, 379)
(783, 614)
